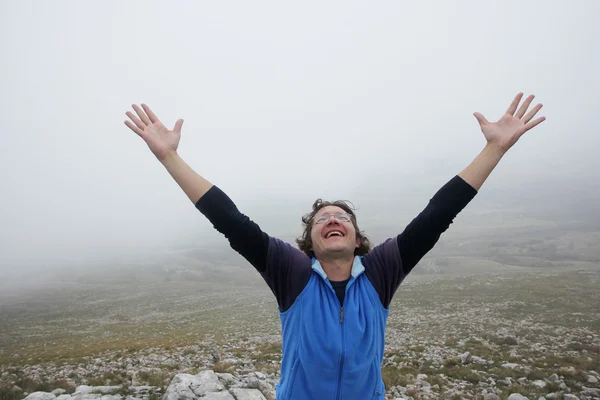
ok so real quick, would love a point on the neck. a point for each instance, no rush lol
(337, 269)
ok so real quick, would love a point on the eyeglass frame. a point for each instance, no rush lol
(335, 216)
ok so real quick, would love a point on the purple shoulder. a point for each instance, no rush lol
(287, 273)
(383, 268)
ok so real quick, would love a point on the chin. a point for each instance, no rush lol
(337, 249)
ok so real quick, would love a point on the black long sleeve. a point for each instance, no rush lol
(285, 269)
(244, 235)
(387, 272)
(425, 230)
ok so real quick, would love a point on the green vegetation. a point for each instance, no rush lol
(546, 322)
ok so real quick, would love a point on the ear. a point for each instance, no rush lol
(357, 243)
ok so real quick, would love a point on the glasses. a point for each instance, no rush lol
(343, 217)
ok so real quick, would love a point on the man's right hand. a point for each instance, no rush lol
(161, 141)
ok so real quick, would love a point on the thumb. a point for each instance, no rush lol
(481, 119)
(178, 125)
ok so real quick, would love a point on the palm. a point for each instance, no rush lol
(512, 125)
(159, 139)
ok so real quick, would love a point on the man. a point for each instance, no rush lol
(333, 291)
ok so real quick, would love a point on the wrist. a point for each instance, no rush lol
(169, 158)
(494, 150)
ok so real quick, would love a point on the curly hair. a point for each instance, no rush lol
(305, 242)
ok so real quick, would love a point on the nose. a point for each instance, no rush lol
(329, 220)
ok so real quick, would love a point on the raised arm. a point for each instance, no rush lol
(244, 235)
(500, 137)
(285, 269)
(164, 143)
(424, 231)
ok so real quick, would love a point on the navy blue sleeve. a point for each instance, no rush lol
(288, 272)
(285, 269)
(418, 238)
(383, 268)
(244, 235)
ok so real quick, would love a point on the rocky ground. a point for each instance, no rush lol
(519, 334)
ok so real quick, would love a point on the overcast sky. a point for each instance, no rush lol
(282, 102)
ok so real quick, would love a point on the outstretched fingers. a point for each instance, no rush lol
(532, 113)
(524, 106)
(534, 123)
(134, 128)
(141, 114)
(135, 120)
(136, 124)
(515, 103)
(151, 115)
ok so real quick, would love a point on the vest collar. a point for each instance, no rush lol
(357, 267)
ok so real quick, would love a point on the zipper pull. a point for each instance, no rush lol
(342, 315)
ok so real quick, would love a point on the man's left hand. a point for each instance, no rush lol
(507, 130)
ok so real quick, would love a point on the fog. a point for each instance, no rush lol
(283, 103)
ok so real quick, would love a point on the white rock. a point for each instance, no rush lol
(247, 394)
(267, 388)
(592, 379)
(465, 358)
(490, 396)
(141, 388)
(40, 396)
(502, 332)
(226, 377)
(590, 392)
(252, 382)
(58, 392)
(539, 383)
(570, 397)
(517, 396)
(83, 389)
(218, 396)
(479, 360)
(189, 387)
(553, 378)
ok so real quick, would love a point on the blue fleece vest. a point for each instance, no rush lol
(332, 352)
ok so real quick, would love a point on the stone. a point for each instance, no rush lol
(517, 396)
(247, 394)
(189, 387)
(40, 396)
(539, 384)
(465, 358)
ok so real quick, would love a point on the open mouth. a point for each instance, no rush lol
(334, 233)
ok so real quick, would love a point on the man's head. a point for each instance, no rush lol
(331, 231)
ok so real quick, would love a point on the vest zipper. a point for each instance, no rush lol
(339, 388)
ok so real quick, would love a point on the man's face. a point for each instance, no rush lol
(333, 234)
